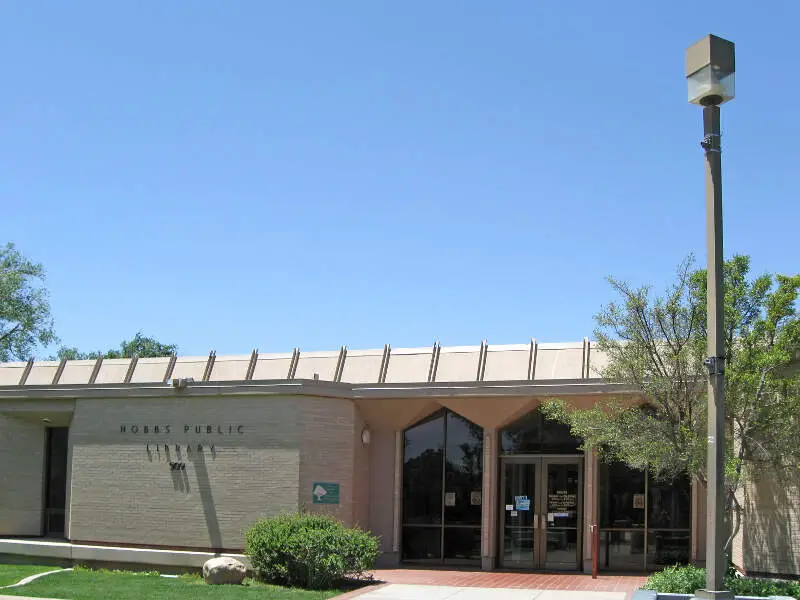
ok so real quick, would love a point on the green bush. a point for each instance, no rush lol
(309, 551)
(677, 580)
(747, 586)
(686, 580)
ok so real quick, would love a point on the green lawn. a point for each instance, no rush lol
(94, 585)
(11, 574)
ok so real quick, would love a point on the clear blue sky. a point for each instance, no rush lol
(232, 175)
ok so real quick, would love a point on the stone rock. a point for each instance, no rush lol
(224, 570)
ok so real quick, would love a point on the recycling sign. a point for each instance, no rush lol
(325, 493)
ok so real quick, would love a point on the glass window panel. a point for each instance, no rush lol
(556, 437)
(462, 544)
(422, 472)
(520, 481)
(668, 548)
(621, 550)
(622, 496)
(562, 548)
(55, 523)
(534, 434)
(669, 504)
(562, 495)
(422, 543)
(57, 467)
(523, 436)
(518, 546)
(442, 468)
(463, 472)
(57, 443)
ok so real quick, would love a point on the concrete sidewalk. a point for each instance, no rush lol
(431, 592)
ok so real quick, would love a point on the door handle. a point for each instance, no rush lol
(535, 521)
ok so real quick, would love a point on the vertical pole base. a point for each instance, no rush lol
(713, 595)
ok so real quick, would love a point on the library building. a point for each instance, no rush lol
(442, 452)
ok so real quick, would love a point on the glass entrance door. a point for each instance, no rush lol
(541, 513)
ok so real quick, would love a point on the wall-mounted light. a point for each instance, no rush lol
(182, 382)
(46, 420)
(365, 436)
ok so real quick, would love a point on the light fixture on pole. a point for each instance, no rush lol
(710, 75)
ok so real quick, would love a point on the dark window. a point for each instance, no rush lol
(622, 495)
(534, 434)
(422, 472)
(422, 543)
(442, 477)
(669, 533)
(56, 480)
(463, 472)
(621, 550)
(668, 547)
(632, 501)
(462, 544)
(669, 504)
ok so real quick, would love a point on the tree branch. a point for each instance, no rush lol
(10, 332)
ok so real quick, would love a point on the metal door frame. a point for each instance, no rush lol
(539, 505)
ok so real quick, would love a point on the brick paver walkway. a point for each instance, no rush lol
(511, 580)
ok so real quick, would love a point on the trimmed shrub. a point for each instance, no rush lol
(677, 580)
(747, 586)
(688, 579)
(309, 551)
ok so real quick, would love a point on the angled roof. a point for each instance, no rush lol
(387, 365)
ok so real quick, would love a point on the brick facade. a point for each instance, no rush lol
(769, 539)
(124, 491)
(22, 455)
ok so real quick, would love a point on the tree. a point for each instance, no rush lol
(25, 320)
(140, 346)
(656, 346)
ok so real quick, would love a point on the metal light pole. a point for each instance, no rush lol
(709, 72)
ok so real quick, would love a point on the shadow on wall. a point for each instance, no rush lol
(771, 524)
(204, 488)
(175, 458)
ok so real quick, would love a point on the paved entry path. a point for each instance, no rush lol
(400, 591)
(436, 584)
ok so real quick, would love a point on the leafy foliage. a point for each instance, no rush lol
(656, 346)
(25, 320)
(140, 346)
(309, 551)
(687, 580)
(677, 580)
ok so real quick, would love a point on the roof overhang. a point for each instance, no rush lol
(324, 389)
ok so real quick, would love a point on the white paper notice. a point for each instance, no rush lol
(514, 513)
(509, 507)
(551, 517)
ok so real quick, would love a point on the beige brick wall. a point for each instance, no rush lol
(22, 449)
(326, 453)
(770, 538)
(124, 492)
